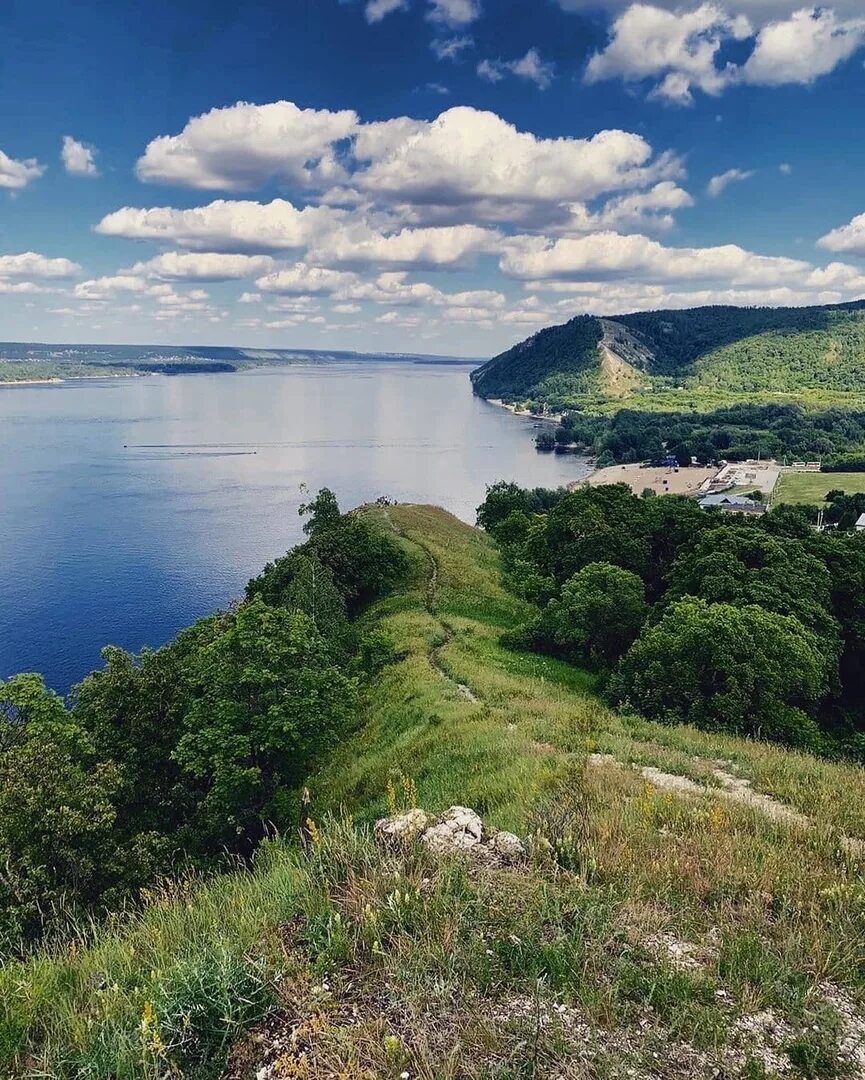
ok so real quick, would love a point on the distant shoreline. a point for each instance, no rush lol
(55, 380)
(551, 418)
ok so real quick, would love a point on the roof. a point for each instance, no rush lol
(860, 521)
(738, 501)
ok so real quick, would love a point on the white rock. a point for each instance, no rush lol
(507, 845)
(402, 826)
(460, 829)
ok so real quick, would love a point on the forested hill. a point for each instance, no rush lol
(720, 351)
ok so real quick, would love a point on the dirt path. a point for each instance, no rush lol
(431, 604)
(733, 789)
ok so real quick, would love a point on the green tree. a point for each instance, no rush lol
(56, 809)
(740, 564)
(267, 701)
(718, 666)
(598, 615)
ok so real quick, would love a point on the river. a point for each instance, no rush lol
(130, 507)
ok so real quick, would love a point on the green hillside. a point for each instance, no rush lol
(693, 905)
(707, 356)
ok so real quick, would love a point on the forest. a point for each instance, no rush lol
(669, 360)
(836, 437)
(750, 626)
(182, 756)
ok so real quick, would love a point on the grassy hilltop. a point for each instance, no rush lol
(699, 358)
(696, 907)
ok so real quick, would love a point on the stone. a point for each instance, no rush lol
(507, 846)
(402, 827)
(460, 829)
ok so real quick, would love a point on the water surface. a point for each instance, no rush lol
(130, 507)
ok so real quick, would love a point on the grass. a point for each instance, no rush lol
(812, 487)
(365, 962)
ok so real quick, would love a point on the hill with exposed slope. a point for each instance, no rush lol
(709, 354)
(693, 906)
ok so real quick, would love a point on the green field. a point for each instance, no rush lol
(660, 929)
(812, 487)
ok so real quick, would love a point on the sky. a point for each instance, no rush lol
(439, 176)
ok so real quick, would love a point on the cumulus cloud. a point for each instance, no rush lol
(647, 42)
(530, 66)
(206, 266)
(29, 264)
(723, 180)
(78, 158)
(475, 162)
(758, 11)
(243, 146)
(849, 238)
(642, 209)
(802, 48)
(612, 255)
(446, 246)
(15, 175)
(225, 225)
(166, 301)
(467, 166)
(680, 49)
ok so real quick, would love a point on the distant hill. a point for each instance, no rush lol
(33, 361)
(711, 353)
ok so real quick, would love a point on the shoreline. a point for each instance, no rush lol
(551, 418)
(55, 380)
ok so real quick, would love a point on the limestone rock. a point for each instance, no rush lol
(507, 846)
(402, 827)
(460, 829)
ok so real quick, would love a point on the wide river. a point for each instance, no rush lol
(130, 507)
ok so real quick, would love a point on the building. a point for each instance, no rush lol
(735, 504)
(860, 523)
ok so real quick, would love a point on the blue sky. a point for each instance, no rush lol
(421, 175)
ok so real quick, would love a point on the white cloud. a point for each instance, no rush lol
(451, 48)
(681, 48)
(647, 42)
(802, 48)
(29, 264)
(448, 246)
(530, 67)
(758, 11)
(465, 167)
(454, 13)
(8, 288)
(849, 238)
(225, 225)
(785, 168)
(613, 255)
(241, 147)
(206, 266)
(15, 175)
(491, 70)
(304, 280)
(376, 10)
(78, 158)
(723, 180)
(481, 168)
(638, 210)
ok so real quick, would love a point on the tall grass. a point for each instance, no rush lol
(370, 962)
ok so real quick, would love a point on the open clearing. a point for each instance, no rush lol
(662, 480)
(812, 487)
